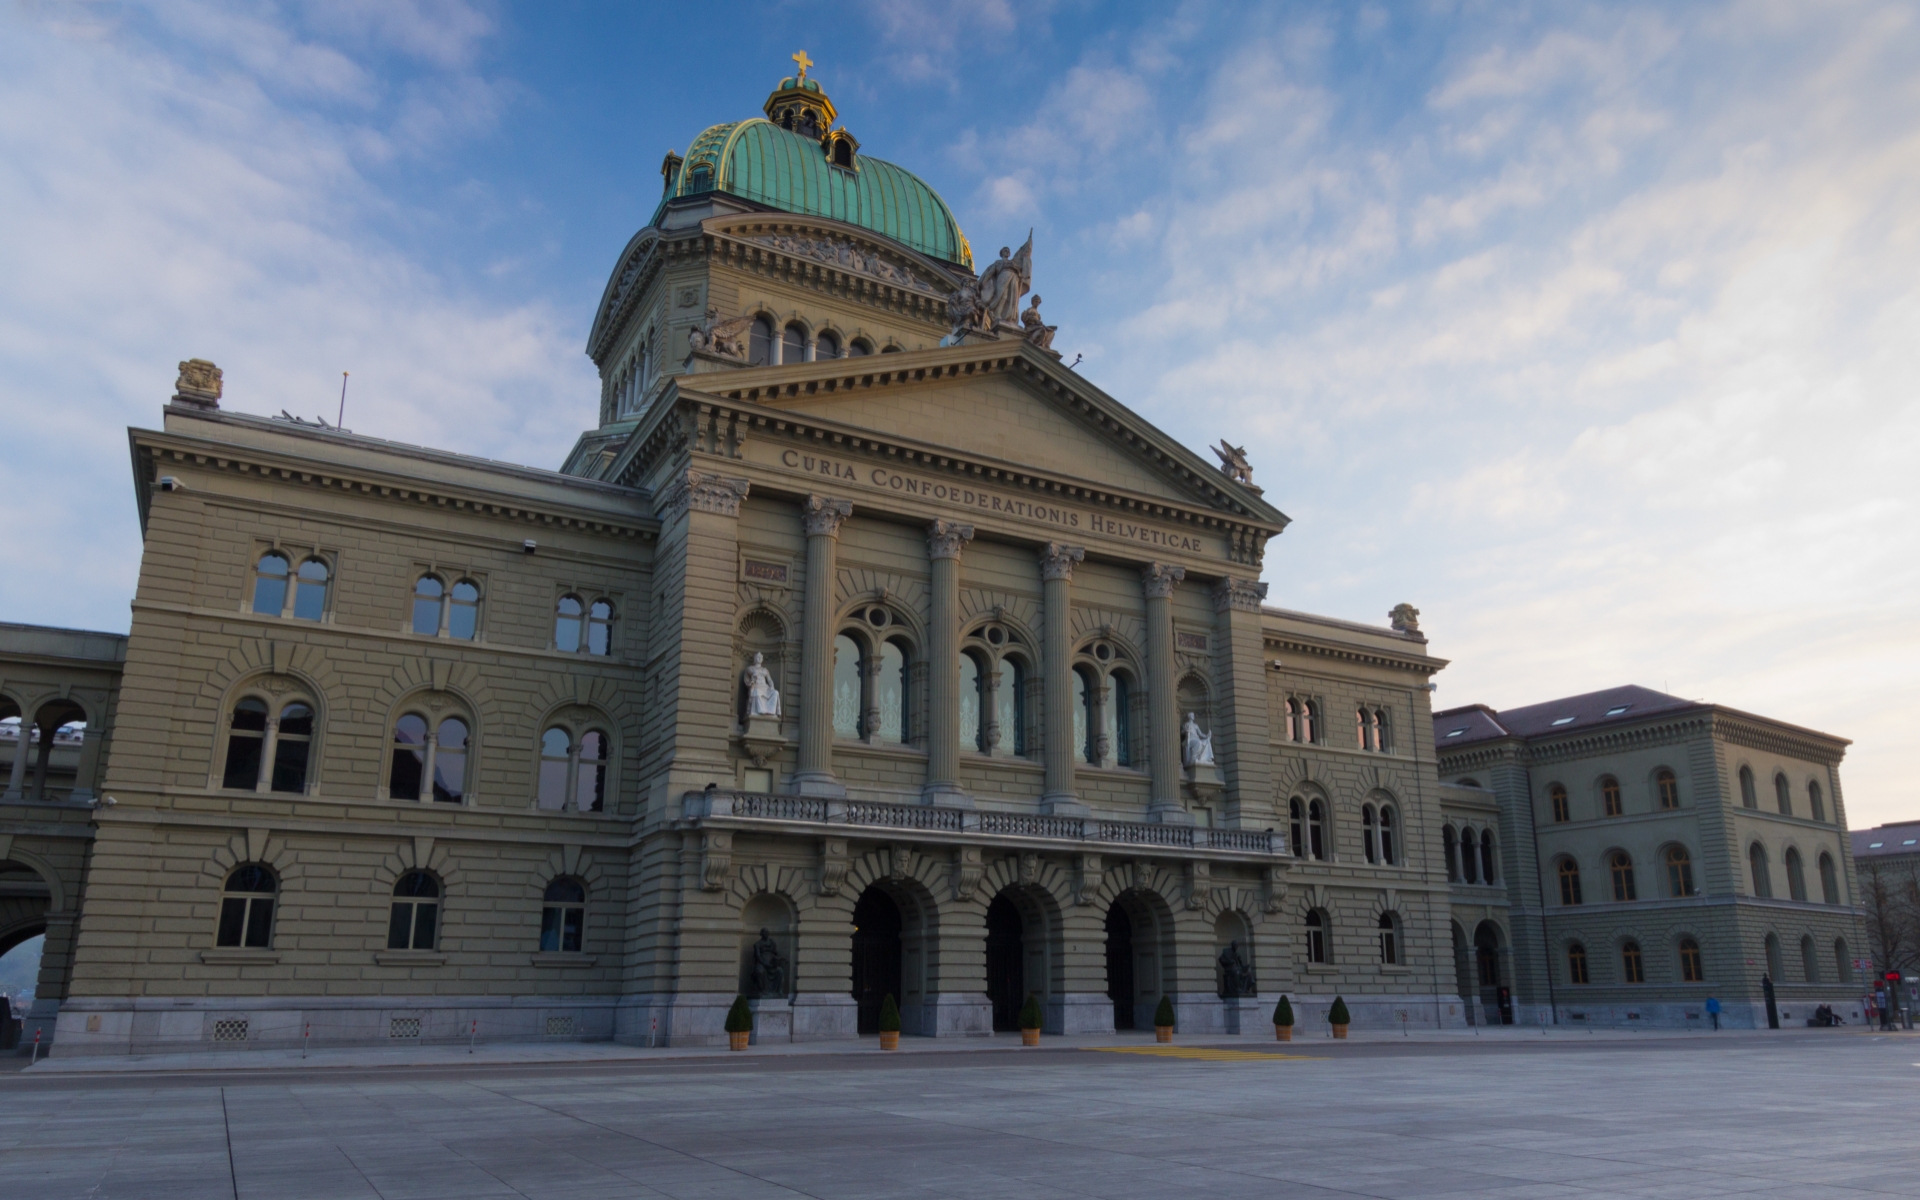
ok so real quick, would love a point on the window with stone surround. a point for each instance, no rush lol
(1451, 852)
(1692, 969)
(1783, 794)
(563, 916)
(1297, 828)
(793, 344)
(269, 744)
(1796, 875)
(573, 769)
(1577, 963)
(428, 753)
(246, 908)
(414, 922)
(1489, 861)
(442, 611)
(1748, 797)
(1679, 872)
(1469, 855)
(1829, 880)
(1317, 928)
(1668, 787)
(1562, 810)
(760, 343)
(1568, 872)
(1816, 803)
(1610, 802)
(826, 347)
(281, 591)
(1809, 959)
(1757, 866)
(1389, 939)
(1620, 871)
(1633, 968)
(1316, 831)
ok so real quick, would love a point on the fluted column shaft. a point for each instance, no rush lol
(822, 516)
(1163, 720)
(1056, 572)
(945, 540)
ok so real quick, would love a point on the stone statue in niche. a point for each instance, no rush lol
(1198, 747)
(721, 338)
(1236, 973)
(767, 974)
(1004, 282)
(1038, 331)
(1233, 462)
(763, 699)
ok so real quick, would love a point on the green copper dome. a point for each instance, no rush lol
(822, 175)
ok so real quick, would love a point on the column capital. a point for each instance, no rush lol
(701, 491)
(1158, 579)
(945, 539)
(1238, 595)
(1056, 560)
(823, 514)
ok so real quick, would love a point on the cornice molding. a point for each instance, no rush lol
(1287, 643)
(1740, 730)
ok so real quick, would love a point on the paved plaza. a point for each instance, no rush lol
(1796, 1114)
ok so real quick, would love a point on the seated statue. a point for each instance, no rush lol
(1198, 751)
(763, 699)
(767, 977)
(1236, 973)
(1038, 331)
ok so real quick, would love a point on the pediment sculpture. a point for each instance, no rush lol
(1196, 747)
(722, 338)
(1233, 462)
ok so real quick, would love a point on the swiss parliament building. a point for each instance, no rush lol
(862, 648)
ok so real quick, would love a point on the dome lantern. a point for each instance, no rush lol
(799, 105)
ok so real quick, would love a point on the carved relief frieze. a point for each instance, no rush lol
(702, 491)
(1238, 595)
(716, 859)
(833, 866)
(1087, 876)
(967, 870)
(848, 256)
(1199, 883)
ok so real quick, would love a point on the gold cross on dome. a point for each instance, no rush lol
(804, 62)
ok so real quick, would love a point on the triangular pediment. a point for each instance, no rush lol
(1002, 403)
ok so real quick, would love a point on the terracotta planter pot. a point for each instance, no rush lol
(1029, 1037)
(890, 1039)
(737, 1041)
(1163, 1033)
(1340, 1031)
(1283, 1033)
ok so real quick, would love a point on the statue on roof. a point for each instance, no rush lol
(717, 337)
(1038, 331)
(967, 315)
(1004, 282)
(1405, 618)
(1233, 462)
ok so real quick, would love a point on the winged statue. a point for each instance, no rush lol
(723, 338)
(1233, 462)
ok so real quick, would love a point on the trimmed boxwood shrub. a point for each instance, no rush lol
(1283, 1012)
(1030, 1012)
(739, 1017)
(1337, 1015)
(1163, 1016)
(889, 1015)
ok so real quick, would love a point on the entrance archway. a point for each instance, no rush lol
(876, 955)
(1006, 962)
(1489, 971)
(1120, 987)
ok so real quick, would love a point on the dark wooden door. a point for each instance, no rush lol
(1006, 963)
(1120, 966)
(876, 955)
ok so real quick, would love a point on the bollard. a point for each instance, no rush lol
(472, 1033)
(306, 1032)
(36, 1046)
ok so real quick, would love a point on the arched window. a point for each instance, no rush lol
(760, 343)
(567, 624)
(1388, 853)
(1757, 863)
(848, 709)
(1691, 969)
(292, 747)
(1842, 965)
(1747, 796)
(590, 783)
(419, 758)
(1816, 803)
(310, 590)
(1010, 705)
(463, 611)
(429, 595)
(270, 584)
(1796, 875)
(1363, 721)
(246, 908)
(1293, 720)
(891, 350)
(826, 346)
(1809, 959)
(1389, 940)
(1469, 857)
(1610, 796)
(1569, 873)
(1679, 872)
(890, 693)
(556, 769)
(1620, 868)
(1452, 853)
(600, 628)
(1783, 794)
(973, 730)
(1668, 786)
(415, 919)
(1561, 810)
(1577, 963)
(572, 769)
(563, 918)
(1776, 966)
(1633, 969)
(246, 744)
(1316, 831)
(859, 348)
(1382, 731)
(1297, 828)
(1120, 720)
(793, 344)
(1487, 858)
(1370, 833)
(1084, 723)
(1316, 936)
(1310, 721)
(1829, 880)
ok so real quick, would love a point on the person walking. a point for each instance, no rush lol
(1713, 1010)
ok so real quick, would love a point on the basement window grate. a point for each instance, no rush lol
(559, 1026)
(231, 1030)
(403, 1027)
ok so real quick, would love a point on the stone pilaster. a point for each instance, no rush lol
(1241, 725)
(945, 541)
(1056, 573)
(1163, 721)
(700, 519)
(822, 516)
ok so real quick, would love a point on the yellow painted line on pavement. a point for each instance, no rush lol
(1203, 1054)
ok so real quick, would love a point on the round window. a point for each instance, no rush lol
(1103, 652)
(996, 635)
(877, 617)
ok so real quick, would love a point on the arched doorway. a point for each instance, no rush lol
(1490, 973)
(1120, 987)
(876, 955)
(1463, 969)
(1006, 962)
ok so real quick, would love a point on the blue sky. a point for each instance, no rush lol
(1592, 331)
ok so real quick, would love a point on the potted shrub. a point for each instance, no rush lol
(1338, 1018)
(1283, 1020)
(739, 1024)
(1163, 1020)
(1030, 1021)
(889, 1023)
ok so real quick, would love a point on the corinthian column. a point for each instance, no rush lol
(945, 540)
(1056, 569)
(822, 516)
(1163, 722)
